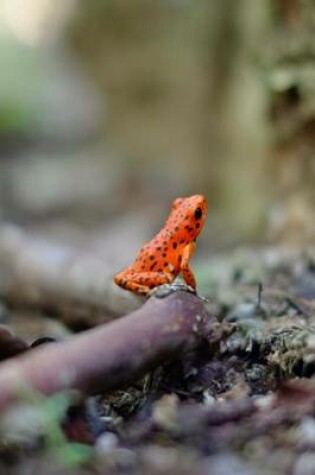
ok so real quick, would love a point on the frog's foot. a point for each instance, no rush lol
(165, 290)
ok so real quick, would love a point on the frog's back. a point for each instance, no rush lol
(183, 225)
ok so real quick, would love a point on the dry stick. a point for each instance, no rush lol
(111, 355)
(68, 281)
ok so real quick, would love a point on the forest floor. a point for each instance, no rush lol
(240, 399)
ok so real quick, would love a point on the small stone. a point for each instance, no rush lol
(305, 464)
(106, 443)
(307, 432)
(165, 412)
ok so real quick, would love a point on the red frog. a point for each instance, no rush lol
(168, 253)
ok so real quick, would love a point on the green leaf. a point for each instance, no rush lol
(74, 454)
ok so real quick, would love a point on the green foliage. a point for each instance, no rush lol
(51, 411)
(73, 454)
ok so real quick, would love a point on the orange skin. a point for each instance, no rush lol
(168, 253)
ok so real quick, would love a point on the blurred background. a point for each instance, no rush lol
(110, 109)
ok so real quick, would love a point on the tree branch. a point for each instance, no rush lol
(111, 355)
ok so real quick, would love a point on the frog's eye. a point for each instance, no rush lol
(198, 213)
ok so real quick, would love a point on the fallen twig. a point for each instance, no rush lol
(67, 281)
(111, 355)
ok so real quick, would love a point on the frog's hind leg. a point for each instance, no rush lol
(142, 282)
(131, 284)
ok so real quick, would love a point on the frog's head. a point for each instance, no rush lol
(188, 216)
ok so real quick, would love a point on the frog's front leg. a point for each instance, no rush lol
(188, 275)
(142, 282)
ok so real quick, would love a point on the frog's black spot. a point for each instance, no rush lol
(176, 228)
(153, 265)
(159, 248)
(165, 264)
(197, 225)
(164, 254)
(174, 245)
